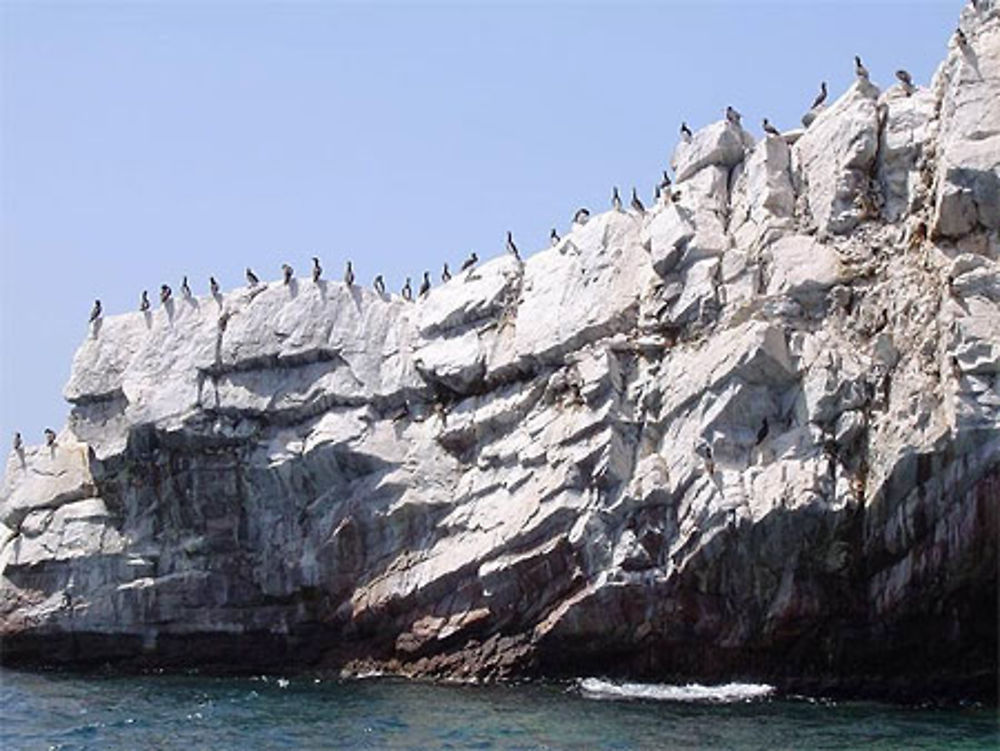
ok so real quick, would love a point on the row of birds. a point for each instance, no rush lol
(581, 216)
(905, 79)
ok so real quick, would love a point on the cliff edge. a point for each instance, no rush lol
(752, 431)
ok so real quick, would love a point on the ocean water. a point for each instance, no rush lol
(59, 711)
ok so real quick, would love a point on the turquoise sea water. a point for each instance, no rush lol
(57, 711)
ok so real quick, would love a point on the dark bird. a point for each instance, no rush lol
(317, 269)
(95, 312)
(185, 287)
(963, 41)
(675, 196)
(665, 182)
(287, 272)
(425, 285)
(821, 96)
(762, 433)
(511, 247)
(407, 290)
(469, 262)
(906, 80)
(252, 279)
(445, 273)
(379, 284)
(18, 443)
(582, 216)
(553, 237)
(770, 129)
(657, 193)
(616, 200)
(50, 437)
(349, 275)
(213, 286)
(733, 116)
(144, 301)
(685, 132)
(859, 69)
(636, 203)
(165, 292)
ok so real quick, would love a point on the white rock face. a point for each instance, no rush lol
(762, 418)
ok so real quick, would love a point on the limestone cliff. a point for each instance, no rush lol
(753, 431)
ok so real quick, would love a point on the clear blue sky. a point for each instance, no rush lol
(143, 141)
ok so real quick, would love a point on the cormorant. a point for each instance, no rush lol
(349, 275)
(18, 443)
(407, 290)
(445, 273)
(185, 287)
(963, 41)
(287, 272)
(665, 182)
(770, 129)
(144, 301)
(425, 285)
(252, 279)
(636, 203)
(685, 132)
(50, 436)
(469, 262)
(733, 116)
(511, 247)
(821, 96)
(317, 269)
(859, 69)
(553, 237)
(165, 293)
(95, 312)
(581, 217)
(616, 200)
(213, 286)
(379, 284)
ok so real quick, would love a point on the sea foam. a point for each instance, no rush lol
(597, 688)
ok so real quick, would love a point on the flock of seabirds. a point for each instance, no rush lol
(580, 217)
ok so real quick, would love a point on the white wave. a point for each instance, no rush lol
(596, 688)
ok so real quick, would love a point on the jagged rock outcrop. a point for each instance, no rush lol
(753, 431)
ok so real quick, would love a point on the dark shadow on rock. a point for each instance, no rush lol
(293, 288)
(218, 298)
(149, 318)
(169, 307)
(95, 330)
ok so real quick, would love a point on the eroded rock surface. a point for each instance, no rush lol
(754, 432)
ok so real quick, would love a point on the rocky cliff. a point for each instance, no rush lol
(752, 431)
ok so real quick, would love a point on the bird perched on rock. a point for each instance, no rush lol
(616, 200)
(379, 284)
(165, 293)
(287, 273)
(95, 312)
(349, 274)
(906, 80)
(733, 116)
(675, 196)
(511, 247)
(252, 279)
(665, 182)
(770, 129)
(425, 285)
(185, 287)
(859, 69)
(213, 286)
(469, 262)
(762, 432)
(581, 217)
(685, 132)
(553, 237)
(317, 269)
(820, 97)
(144, 301)
(18, 443)
(407, 290)
(50, 437)
(963, 41)
(657, 194)
(636, 203)
(445, 273)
